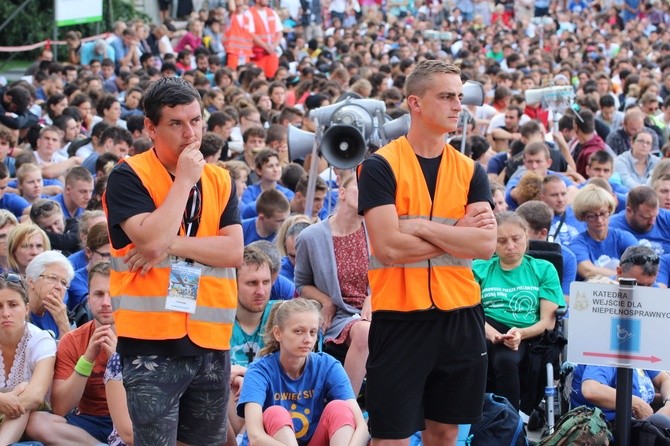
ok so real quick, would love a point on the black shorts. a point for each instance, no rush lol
(425, 369)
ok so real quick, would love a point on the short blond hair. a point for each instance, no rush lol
(590, 198)
(419, 80)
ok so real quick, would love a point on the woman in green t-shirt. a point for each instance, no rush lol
(520, 295)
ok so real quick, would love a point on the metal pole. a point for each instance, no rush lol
(624, 389)
(313, 170)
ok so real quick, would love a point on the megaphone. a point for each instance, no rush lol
(473, 93)
(395, 129)
(325, 114)
(299, 141)
(343, 146)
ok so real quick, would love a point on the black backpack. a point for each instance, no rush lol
(501, 424)
(646, 433)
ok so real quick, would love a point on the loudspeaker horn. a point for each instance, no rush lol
(396, 128)
(343, 146)
(300, 142)
(473, 93)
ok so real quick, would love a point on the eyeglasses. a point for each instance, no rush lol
(104, 255)
(644, 142)
(641, 260)
(14, 279)
(594, 217)
(55, 280)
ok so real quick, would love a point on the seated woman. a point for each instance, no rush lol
(28, 356)
(7, 222)
(48, 276)
(520, 295)
(24, 242)
(325, 412)
(636, 165)
(599, 248)
(331, 268)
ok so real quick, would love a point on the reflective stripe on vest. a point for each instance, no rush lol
(156, 304)
(237, 39)
(265, 33)
(445, 282)
(119, 265)
(139, 301)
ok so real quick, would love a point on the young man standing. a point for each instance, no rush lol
(428, 212)
(176, 239)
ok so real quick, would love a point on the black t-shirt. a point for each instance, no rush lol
(377, 184)
(377, 187)
(126, 197)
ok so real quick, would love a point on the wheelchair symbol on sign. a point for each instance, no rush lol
(625, 335)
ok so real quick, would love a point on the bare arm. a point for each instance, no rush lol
(390, 245)
(547, 320)
(33, 396)
(56, 170)
(328, 309)
(604, 397)
(118, 410)
(66, 393)
(504, 134)
(587, 270)
(253, 416)
(472, 237)
(361, 436)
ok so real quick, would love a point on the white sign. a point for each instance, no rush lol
(619, 327)
(76, 12)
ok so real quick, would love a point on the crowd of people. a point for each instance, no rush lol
(153, 227)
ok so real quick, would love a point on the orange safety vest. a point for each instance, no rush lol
(444, 282)
(265, 33)
(237, 39)
(139, 302)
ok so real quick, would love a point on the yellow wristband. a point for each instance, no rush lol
(84, 367)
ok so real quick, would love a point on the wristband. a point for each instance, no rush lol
(83, 367)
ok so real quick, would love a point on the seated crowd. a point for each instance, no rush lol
(593, 180)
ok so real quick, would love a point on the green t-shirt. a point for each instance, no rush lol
(513, 297)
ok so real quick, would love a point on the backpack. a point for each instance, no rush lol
(646, 433)
(581, 426)
(501, 424)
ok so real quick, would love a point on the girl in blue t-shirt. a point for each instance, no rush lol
(293, 395)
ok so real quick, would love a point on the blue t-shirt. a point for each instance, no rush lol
(643, 386)
(664, 270)
(14, 204)
(46, 323)
(323, 380)
(602, 253)
(78, 259)
(497, 163)
(60, 200)
(252, 193)
(282, 289)
(658, 238)
(567, 231)
(569, 269)
(78, 288)
(514, 181)
(287, 269)
(250, 233)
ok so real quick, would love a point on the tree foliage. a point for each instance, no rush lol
(35, 23)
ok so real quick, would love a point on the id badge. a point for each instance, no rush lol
(183, 287)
